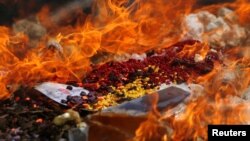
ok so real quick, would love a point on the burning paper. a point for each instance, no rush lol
(60, 92)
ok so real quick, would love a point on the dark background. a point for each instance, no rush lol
(11, 10)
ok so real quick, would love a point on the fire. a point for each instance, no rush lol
(200, 49)
(219, 104)
(119, 27)
(221, 101)
(243, 11)
(115, 26)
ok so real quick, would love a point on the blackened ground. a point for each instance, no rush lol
(22, 121)
(30, 118)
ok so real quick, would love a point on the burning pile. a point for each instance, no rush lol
(114, 82)
(147, 43)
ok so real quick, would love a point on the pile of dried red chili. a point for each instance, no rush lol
(165, 66)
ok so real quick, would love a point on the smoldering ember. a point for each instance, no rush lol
(144, 70)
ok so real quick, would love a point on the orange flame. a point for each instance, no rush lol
(223, 99)
(114, 26)
(151, 129)
(122, 26)
(243, 11)
(221, 102)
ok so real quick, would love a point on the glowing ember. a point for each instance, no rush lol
(39, 120)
